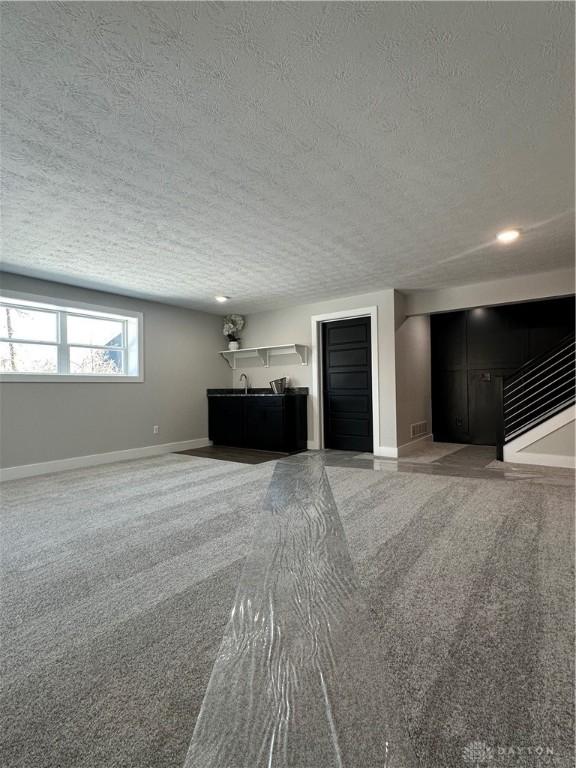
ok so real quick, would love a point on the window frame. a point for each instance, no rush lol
(131, 358)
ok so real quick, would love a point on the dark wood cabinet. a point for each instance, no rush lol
(266, 422)
(226, 421)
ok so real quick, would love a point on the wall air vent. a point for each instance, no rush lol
(419, 429)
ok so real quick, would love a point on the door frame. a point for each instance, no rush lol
(317, 371)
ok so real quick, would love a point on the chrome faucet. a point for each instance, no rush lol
(243, 376)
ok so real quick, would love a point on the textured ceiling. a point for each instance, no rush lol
(285, 152)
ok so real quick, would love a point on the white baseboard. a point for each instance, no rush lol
(407, 448)
(515, 451)
(542, 459)
(387, 451)
(397, 451)
(93, 460)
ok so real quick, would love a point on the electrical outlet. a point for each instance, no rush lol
(156, 430)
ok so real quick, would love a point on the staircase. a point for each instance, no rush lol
(540, 393)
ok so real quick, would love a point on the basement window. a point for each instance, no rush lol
(41, 340)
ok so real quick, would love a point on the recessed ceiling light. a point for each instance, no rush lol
(221, 299)
(508, 236)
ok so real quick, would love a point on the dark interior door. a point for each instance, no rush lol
(450, 402)
(484, 410)
(347, 385)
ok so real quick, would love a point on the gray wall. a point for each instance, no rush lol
(413, 371)
(293, 325)
(509, 290)
(404, 358)
(48, 421)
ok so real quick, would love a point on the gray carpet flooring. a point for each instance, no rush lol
(118, 584)
(301, 677)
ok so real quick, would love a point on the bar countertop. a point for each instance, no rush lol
(255, 392)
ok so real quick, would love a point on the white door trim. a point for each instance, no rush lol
(316, 393)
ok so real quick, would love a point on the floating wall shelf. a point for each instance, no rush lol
(265, 353)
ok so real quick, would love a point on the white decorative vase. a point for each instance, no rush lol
(233, 346)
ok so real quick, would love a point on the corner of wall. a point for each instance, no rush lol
(412, 371)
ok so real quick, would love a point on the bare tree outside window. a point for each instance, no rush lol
(50, 340)
(10, 330)
(95, 361)
(19, 330)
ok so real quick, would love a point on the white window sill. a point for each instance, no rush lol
(21, 378)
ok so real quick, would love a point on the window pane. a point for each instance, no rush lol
(93, 330)
(95, 361)
(27, 324)
(28, 358)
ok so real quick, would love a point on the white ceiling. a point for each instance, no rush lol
(285, 152)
